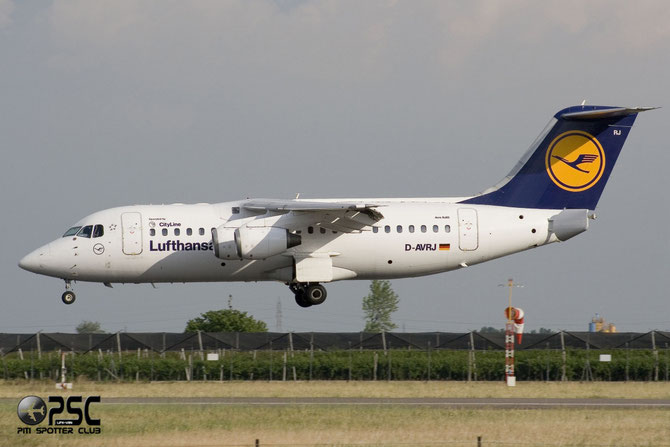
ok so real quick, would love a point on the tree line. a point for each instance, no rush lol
(378, 307)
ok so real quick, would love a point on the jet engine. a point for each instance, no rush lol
(252, 242)
(225, 246)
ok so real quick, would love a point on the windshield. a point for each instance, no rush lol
(85, 231)
(98, 231)
(71, 232)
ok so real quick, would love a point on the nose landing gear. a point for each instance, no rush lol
(68, 296)
(308, 294)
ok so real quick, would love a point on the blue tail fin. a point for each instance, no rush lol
(569, 164)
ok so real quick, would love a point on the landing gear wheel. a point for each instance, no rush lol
(68, 297)
(300, 299)
(315, 294)
(308, 294)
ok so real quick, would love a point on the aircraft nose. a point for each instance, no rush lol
(33, 261)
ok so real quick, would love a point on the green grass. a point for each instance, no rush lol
(648, 390)
(191, 425)
(210, 425)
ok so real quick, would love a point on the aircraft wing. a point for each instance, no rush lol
(338, 216)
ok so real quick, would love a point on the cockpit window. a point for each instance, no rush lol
(71, 232)
(98, 231)
(85, 231)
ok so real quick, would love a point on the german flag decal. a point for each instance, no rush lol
(446, 247)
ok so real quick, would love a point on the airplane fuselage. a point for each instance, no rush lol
(173, 243)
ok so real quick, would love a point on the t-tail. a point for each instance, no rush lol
(568, 165)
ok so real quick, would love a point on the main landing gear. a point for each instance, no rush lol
(68, 296)
(308, 294)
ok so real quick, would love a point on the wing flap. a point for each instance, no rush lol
(285, 206)
(345, 217)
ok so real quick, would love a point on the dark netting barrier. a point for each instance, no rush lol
(323, 341)
(471, 356)
(49, 342)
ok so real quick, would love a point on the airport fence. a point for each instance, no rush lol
(334, 356)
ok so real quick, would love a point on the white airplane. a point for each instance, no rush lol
(549, 196)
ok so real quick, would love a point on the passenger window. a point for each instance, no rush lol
(447, 228)
(375, 230)
(322, 230)
(152, 232)
(436, 228)
(411, 228)
(98, 231)
(189, 232)
(176, 231)
(85, 231)
(164, 231)
(399, 228)
(423, 228)
(310, 230)
(387, 229)
(201, 231)
(71, 232)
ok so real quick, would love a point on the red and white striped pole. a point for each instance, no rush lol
(513, 326)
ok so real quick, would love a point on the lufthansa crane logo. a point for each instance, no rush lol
(575, 161)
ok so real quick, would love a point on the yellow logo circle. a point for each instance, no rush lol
(575, 161)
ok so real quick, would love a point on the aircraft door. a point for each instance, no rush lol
(131, 224)
(468, 232)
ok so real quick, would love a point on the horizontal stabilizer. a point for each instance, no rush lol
(605, 113)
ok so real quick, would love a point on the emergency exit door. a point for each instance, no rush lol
(468, 229)
(131, 232)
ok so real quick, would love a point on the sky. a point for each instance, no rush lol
(135, 102)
